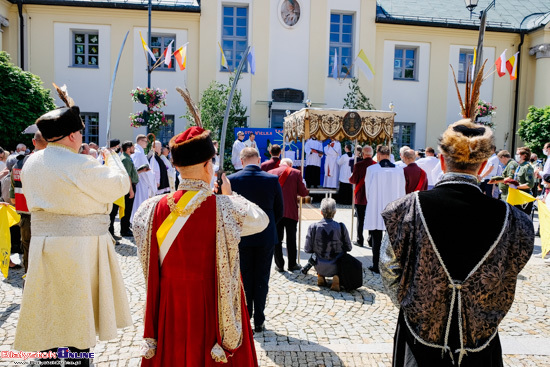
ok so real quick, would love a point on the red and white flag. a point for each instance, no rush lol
(501, 64)
(168, 55)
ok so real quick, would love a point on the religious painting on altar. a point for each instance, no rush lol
(290, 12)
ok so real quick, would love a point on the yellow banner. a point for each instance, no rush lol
(544, 220)
(518, 197)
(8, 218)
(171, 219)
(121, 205)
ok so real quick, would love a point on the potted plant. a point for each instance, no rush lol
(484, 112)
(152, 98)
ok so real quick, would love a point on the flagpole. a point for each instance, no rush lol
(149, 70)
(351, 67)
(112, 88)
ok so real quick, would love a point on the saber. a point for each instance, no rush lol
(226, 117)
(113, 87)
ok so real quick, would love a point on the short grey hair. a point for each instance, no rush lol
(287, 161)
(328, 208)
(248, 153)
(403, 149)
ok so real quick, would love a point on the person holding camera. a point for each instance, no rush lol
(328, 240)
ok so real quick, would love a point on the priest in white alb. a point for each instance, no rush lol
(384, 183)
(332, 151)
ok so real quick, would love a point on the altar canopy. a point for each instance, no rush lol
(374, 127)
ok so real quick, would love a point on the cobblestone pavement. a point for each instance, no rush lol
(312, 326)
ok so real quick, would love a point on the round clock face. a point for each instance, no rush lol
(290, 12)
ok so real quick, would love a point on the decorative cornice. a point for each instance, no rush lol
(4, 22)
(542, 51)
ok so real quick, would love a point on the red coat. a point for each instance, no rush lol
(293, 186)
(413, 175)
(270, 164)
(358, 179)
(181, 307)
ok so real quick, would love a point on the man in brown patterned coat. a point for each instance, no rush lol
(438, 272)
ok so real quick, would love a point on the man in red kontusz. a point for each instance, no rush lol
(358, 179)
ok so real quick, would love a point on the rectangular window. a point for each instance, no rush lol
(404, 63)
(234, 36)
(403, 134)
(166, 132)
(341, 43)
(91, 131)
(159, 43)
(465, 63)
(85, 49)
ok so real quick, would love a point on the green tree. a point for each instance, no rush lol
(212, 105)
(535, 129)
(356, 99)
(22, 101)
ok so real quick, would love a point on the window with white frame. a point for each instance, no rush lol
(234, 35)
(403, 134)
(91, 131)
(404, 63)
(85, 49)
(341, 44)
(166, 132)
(159, 43)
(465, 63)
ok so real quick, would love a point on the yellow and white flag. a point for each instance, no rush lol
(121, 205)
(364, 64)
(544, 220)
(147, 48)
(518, 197)
(224, 60)
(8, 218)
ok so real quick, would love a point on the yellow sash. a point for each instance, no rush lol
(163, 230)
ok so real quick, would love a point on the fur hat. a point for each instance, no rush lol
(193, 146)
(113, 143)
(60, 123)
(466, 142)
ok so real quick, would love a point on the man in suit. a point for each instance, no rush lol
(275, 160)
(292, 185)
(415, 177)
(358, 179)
(256, 251)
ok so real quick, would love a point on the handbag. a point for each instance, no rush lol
(350, 271)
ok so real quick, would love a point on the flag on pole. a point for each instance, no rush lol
(473, 67)
(544, 220)
(8, 218)
(224, 60)
(365, 65)
(501, 64)
(335, 65)
(168, 55)
(512, 66)
(181, 56)
(518, 197)
(252, 60)
(147, 48)
(121, 206)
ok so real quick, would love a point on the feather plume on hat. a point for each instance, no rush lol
(64, 95)
(191, 106)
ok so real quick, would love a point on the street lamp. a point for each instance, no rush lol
(471, 5)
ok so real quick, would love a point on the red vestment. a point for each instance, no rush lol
(181, 310)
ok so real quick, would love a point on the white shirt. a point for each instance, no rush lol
(428, 164)
(400, 164)
(491, 167)
(251, 144)
(236, 154)
(345, 169)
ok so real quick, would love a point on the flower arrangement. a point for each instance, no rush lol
(484, 109)
(150, 97)
(150, 118)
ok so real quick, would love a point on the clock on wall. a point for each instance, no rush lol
(290, 12)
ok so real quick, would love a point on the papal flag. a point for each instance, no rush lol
(121, 205)
(512, 66)
(335, 65)
(8, 218)
(147, 48)
(518, 197)
(224, 60)
(364, 64)
(544, 220)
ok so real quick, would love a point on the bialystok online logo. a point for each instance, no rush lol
(61, 353)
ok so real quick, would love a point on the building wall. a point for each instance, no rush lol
(5, 13)
(49, 50)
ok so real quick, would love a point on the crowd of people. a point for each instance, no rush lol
(207, 258)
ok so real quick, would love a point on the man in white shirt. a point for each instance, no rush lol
(384, 183)
(546, 170)
(314, 154)
(332, 152)
(251, 142)
(491, 170)
(402, 150)
(146, 187)
(238, 145)
(345, 190)
(428, 163)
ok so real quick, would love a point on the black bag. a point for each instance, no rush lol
(350, 271)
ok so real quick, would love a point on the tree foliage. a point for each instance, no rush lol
(212, 105)
(22, 101)
(356, 99)
(535, 129)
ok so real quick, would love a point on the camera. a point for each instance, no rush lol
(312, 261)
